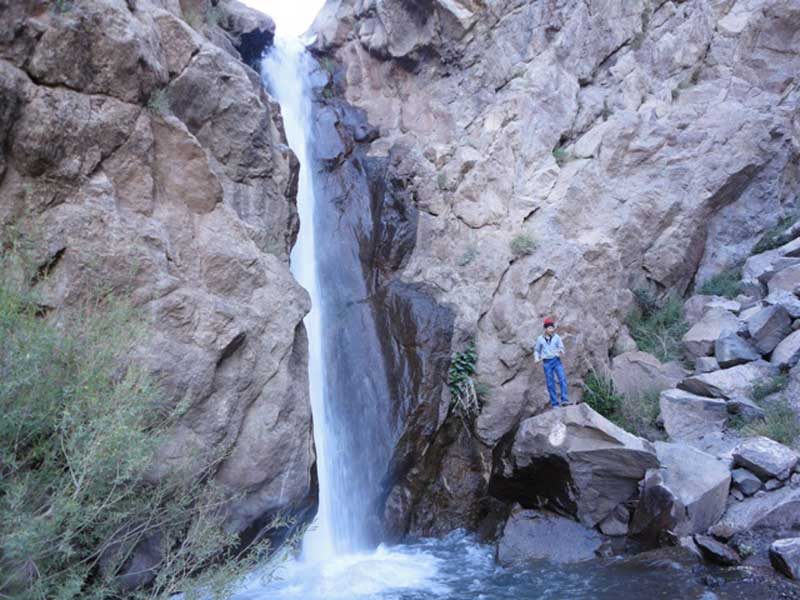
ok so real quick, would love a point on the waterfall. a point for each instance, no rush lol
(347, 377)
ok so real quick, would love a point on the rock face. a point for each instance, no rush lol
(685, 495)
(575, 462)
(535, 535)
(582, 131)
(150, 164)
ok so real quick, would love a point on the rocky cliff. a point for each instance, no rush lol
(145, 159)
(561, 155)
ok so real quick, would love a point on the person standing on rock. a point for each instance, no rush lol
(549, 348)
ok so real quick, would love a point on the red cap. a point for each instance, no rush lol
(549, 321)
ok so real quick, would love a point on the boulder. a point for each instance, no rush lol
(685, 495)
(768, 327)
(538, 535)
(731, 350)
(744, 481)
(729, 383)
(773, 484)
(766, 458)
(624, 342)
(787, 352)
(635, 373)
(744, 408)
(784, 555)
(705, 364)
(688, 416)
(778, 509)
(717, 552)
(787, 279)
(574, 461)
(616, 523)
(715, 323)
(787, 300)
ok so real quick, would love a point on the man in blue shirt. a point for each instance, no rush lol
(549, 348)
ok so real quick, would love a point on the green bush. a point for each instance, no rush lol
(728, 283)
(634, 413)
(79, 429)
(768, 386)
(658, 330)
(522, 245)
(775, 236)
(561, 155)
(779, 423)
(465, 391)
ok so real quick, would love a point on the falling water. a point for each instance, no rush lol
(348, 384)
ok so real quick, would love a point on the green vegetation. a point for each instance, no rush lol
(159, 102)
(465, 391)
(776, 236)
(636, 414)
(522, 245)
(470, 254)
(561, 155)
(657, 327)
(60, 6)
(728, 283)
(779, 423)
(767, 387)
(79, 432)
(441, 180)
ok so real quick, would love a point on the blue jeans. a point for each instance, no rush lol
(552, 369)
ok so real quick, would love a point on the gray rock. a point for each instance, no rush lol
(784, 555)
(538, 535)
(715, 323)
(705, 364)
(787, 300)
(574, 460)
(616, 524)
(729, 383)
(787, 353)
(717, 552)
(768, 327)
(636, 373)
(687, 416)
(786, 279)
(766, 458)
(779, 509)
(686, 495)
(745, 481)
(737, 495)
(773, 484)
(731, 350)
(744, 408)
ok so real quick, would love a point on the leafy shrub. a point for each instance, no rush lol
(658, 330)
(727, 283)
(561, 155)
(522, 245)
(78, 434)
(775, 236)
(634, 413)
(768, 386)
(464, 390)
(779, 423)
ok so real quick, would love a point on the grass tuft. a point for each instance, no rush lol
(768, 386)
(658, 329)
(728, 284)
(775, 236)
(637, 414)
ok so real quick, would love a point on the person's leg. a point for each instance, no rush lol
(562, 381)
(549, 376)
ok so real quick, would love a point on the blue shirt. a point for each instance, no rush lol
(548, 348)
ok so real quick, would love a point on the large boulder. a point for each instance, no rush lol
(685, 495)
(768, 327)
(575, 462)
(787, 279)
(715, 323)
(729, 383)
(766, 458)
(787, 353)
(785, 556)
(637, 373)
(779, 509)
(787, 300)
(731, 350)
(687, 416)
(538, 535)
(716, 551)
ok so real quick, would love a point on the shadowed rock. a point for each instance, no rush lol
(785, 557)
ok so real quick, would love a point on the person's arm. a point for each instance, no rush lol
(536, 351)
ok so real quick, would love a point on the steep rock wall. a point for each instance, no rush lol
(640, 144)
(147, 161)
